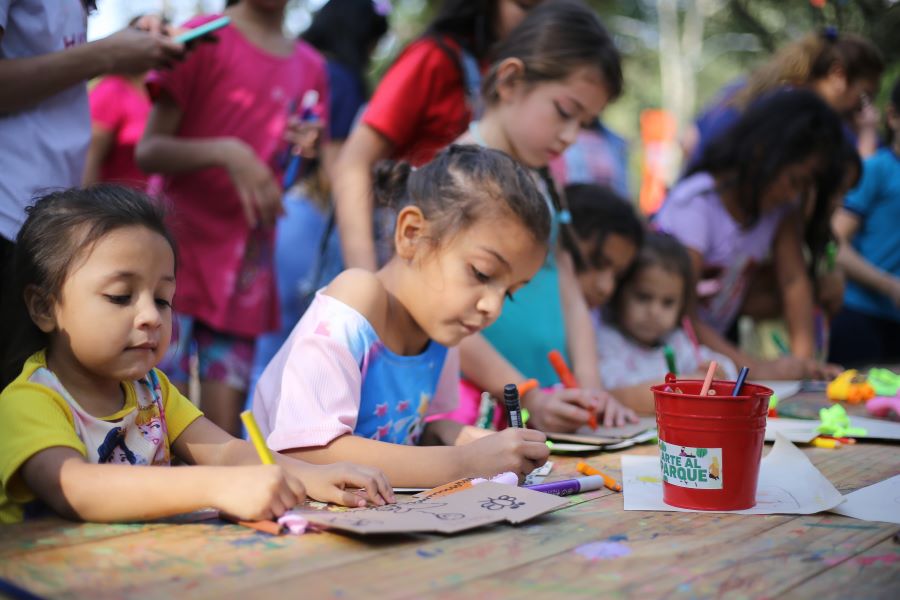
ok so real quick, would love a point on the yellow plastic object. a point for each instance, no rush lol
(850, 387)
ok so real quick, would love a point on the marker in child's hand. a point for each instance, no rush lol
(310, 99)
(740, 381)
(568, 380)
(265, 455)
(670, 359)
(780, 344)
(709, 377)
(526, 386)
(513, 409)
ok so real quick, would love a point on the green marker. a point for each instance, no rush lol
(780, 344)
(670, 359)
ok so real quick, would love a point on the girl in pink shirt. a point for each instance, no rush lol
(219, 124)
(119, 110)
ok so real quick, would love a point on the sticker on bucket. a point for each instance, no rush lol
(691, 467)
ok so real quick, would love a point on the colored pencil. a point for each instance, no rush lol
(742, 376)
(709, 377)
(265, 455)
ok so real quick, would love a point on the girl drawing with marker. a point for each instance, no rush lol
(375, 353)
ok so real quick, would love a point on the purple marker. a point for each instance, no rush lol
(567, 487)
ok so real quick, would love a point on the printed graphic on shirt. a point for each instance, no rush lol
(691, 467)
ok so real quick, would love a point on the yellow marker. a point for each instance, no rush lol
(265, 455)
(824, 443)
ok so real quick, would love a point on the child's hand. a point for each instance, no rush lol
(791, 367)
(257, 493)
(303, 136)
(337, 483)
(256, 185)
(130, 51)
(520, 451)
(615, 414)
(560, 410)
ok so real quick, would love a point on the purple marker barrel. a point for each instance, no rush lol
(567, 487)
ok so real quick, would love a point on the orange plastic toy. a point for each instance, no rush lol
(850, 387)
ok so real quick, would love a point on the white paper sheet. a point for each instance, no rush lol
(795, 430)
(782, 389)
(788, 484)
(877, 429)
(878, 502)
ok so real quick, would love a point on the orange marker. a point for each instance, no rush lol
(526, 386)
(586, 469)
(568, 379)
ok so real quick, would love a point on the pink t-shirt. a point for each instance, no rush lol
(120, 108)
(231, 88)
(335, 376)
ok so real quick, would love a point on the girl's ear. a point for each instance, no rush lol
(40, 308)
(510, 73)
(410, 231)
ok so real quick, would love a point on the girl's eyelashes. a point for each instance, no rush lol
(562, 113)
(121, 299)
(479, 276)
(485, 278)
(163, 303)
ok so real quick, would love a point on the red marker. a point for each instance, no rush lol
(568, 379)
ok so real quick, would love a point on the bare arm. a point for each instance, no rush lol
(516, 450)
(77, 489)
(637, 397)
(26, 81)
(708, 336)
(353, 194)
(481, 364)
(580, 335)
(204, 443)
(845, 225)
(795, 286)
(101, 142)
(787, 367)
(162, 151)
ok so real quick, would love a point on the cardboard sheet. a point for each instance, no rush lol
(611, 438)
(473, 507)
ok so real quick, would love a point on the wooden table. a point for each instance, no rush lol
(589, 549)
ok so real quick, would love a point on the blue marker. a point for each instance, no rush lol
(310, 99)
(740, 381)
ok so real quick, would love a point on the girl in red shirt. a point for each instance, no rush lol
(423, 103)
